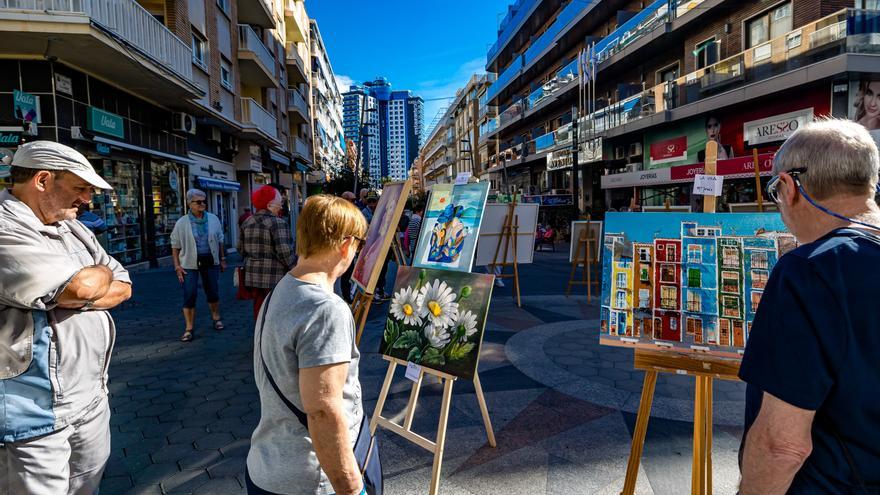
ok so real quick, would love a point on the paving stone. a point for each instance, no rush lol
(138, 423)
(200, 459)
(152, 489)
(169, 398)
(210, 407)
(154, 410)
(221, 486)
(214, 441)
(236, 448)
(185, 481)
(145, 446)
(229, 466)
(172, 453)
(187, 435)
(142, 381)
(161, 430)
(222, 394)
(234, 411)
(115, 484)
(154, 473)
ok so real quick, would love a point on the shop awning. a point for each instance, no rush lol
(218, 184)
(302, 167)
(733, 168)
(160, 154)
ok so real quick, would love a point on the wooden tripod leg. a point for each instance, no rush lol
(413, 400)
(383, 394)
(638, 442)
(515, 264)
(441, 437)
(708, 435)
(589, 275)
(484, 410)
(361, 317)
(698, 475)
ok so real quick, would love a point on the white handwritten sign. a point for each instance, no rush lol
(462, 178)
(413, 371)
(708, 185)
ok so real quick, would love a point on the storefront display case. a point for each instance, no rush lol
(167, 204)
(120, 209)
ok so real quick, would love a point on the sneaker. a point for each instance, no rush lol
(499, 282)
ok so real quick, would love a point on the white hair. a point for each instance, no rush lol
(195, 193)
(840, 157)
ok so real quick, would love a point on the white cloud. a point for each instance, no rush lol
(343, 82)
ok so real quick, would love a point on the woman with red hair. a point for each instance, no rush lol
(266, 244)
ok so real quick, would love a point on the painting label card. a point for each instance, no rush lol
(708, 185)
(462, 178)
(437, 318)
(413, 371)
(687, 281)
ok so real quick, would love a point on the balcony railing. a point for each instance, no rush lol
(568, 14)
(565, 75)
(253, 115)
(847, 31)
(249, 41)
(512, 112)
(299, 146)
(295, 101)
(126, 19)
(295, 57)
(509, 24)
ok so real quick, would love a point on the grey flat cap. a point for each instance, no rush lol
(49, 155)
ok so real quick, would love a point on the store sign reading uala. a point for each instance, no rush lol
(775, 128)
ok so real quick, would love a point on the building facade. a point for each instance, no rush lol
(386, 125)
(663, 77)
(327, 107)
(160, 96)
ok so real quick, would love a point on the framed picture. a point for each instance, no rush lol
(380, 234)
(490, 234)
(437, 319)
(451, 226)
(687, 281)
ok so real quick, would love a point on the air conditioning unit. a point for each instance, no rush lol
(216, 136)
(183, 122)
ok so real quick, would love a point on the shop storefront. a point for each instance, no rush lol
(127, 140)
(217, 178)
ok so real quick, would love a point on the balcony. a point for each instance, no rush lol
(296, 21)
(116, 40)
(297, 68)
(511, 23)
(299, 109)
(847, 31)
(558, 83)
(256, 63)
(256, 12)
(300, 149)
(257, 122)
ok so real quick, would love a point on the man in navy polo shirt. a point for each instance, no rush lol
(812, 362)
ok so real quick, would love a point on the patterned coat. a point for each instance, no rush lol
(266, 244)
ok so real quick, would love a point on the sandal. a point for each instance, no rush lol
(187, 336)
(218, 325)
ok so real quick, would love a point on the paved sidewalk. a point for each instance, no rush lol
(563, 408)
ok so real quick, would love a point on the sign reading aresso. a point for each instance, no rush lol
(775, 128)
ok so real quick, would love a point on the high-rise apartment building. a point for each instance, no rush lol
(327, 109)
(667, 76)
(387, 127)
(161, 96)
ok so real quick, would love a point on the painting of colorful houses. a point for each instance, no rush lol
(687, 280)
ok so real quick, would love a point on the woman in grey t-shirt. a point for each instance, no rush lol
(308, 343)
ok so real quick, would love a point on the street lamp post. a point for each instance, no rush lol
(575, 192)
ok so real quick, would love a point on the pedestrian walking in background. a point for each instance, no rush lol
(55, 295)
(812, 361)
(94, 223)
(414, 227)
(361, 201)
(244, 216)
(370, 208)
(306, 365)
(265, 244)
(198, 252)
(345, 279)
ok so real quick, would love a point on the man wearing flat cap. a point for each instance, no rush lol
(56, 285)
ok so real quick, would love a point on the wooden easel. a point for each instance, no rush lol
(360, 308)
(588, 262)
(405, 429)
(508, 237)
(703, 368)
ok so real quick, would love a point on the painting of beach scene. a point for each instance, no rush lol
(451, 226)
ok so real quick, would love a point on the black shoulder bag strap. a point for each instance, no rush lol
(301, 416)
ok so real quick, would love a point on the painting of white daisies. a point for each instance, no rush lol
(437, 318)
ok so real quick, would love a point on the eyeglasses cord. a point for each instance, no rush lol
(833, 214)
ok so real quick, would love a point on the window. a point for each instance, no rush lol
(759, 279)
(668, 298)
(199, 50)
(644, 274)
(730, 306)
(725, 332)
(621, 300)
(730, 282)
(694, 302)
(756, 300)
(695, 328)
(769, 25)
(621, 280)
(706, 53)
(644, 298)
(670, 253)
(694, 278)
(730, 257)
(760, 260)
(224, 5)
(226, 73)
(695, 254)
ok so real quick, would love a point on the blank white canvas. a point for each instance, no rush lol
(490, 233)
(577, 227)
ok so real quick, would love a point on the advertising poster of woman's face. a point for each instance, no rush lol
(867, 104)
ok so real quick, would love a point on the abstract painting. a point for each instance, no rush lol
(448, 239)
(380, 234)
(687, 280)
(437, 319)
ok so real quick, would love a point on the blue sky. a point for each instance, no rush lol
(430, 47)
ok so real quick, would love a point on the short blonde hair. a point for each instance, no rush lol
(324, 224)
